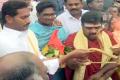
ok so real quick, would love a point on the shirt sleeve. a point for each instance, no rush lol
(52, 65)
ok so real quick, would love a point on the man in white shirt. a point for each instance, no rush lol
(15, 35)
(32, 5)
(71, 18)
(0, 27)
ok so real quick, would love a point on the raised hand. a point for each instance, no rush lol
(79, 53)
(96, 76)
(77, 56)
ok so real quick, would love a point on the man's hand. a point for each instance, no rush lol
(104, 74)
(97, 76)
(75, 63)
(76, 57)
(79, 53)
(116, 49)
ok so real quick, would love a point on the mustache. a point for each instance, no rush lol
(74, 9)
(92, 33)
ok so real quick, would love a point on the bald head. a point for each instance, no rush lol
(22, 66)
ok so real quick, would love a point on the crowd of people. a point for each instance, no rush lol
(60, 40)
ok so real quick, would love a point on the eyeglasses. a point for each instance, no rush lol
(48, 15)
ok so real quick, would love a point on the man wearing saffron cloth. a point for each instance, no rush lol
(90, 36)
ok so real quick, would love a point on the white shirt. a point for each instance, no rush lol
(13, 41)
(0, 27)
(70, 23)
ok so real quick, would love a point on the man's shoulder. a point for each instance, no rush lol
(34, 26)
(84, 11)
(2, 35)
(63, 15)
(4, 39)
(71, 37)
(69, 40)
(110, 34)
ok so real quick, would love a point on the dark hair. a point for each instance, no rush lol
(20, 72)
(43, 5)
(10, 8)
(89, 1)
(92, 17)
(67, 0)
(118, 8)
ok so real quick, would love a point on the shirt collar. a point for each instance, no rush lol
(14, 33)
(71, 17)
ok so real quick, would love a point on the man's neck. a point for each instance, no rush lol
(77, 16)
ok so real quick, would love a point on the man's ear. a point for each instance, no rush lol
(9, 19)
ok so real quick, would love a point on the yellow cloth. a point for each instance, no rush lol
(33, 43)
(81, 42)
(45, 49)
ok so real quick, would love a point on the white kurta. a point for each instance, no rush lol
(0, 27)
(70, 23)
(13, 41)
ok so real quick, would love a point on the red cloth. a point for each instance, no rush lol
(90, 69)
(69, 42)
(55, 42)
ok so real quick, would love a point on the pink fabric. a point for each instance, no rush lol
(116, 29)
(116, 24)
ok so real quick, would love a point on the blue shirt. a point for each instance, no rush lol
(43, 33)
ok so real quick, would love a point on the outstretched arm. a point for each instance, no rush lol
(105, 72)
(80, 54)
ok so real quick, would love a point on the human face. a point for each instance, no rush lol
(118, 1)
(114, 11)
(47, 16)
(74, 7)
(97, 4)
(90, 30)
(21, 21)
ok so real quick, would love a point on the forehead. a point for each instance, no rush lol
(113, 8)
(23, 11)
(73, 1)
(92, 25)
